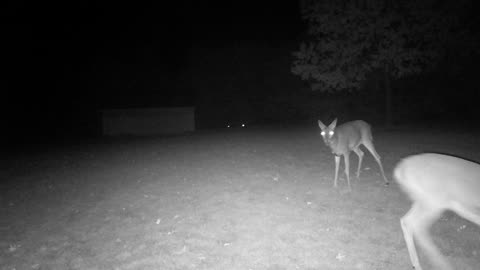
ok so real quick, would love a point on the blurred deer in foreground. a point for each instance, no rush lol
(436, 183)
(346, 138)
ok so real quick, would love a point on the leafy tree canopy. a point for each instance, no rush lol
(348, 39)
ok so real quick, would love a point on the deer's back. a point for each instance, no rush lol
(351, 134)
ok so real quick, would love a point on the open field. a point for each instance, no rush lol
(259, 198)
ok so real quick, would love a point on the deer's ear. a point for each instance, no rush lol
(333, 124)
(321, 125)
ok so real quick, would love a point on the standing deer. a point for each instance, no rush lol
(436, 183)
(346, 138)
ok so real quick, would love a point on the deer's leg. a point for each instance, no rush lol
(337, 165)
(415, 226)
(371, 148)
(360, 158)
(408, 236)
(346, 156)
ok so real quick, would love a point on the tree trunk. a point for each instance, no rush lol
(388, 98)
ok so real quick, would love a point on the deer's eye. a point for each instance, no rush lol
(331, 133)
(322, 133)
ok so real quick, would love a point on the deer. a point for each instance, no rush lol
(344, 139)
(436, 183)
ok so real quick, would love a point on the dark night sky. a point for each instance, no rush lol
(70, 58)
(61, 51)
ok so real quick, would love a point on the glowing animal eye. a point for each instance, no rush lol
(322, 133)
(331, 133)
(243, 125)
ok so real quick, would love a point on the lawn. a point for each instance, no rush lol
(257, 198)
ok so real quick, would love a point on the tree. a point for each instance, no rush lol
(351, 39)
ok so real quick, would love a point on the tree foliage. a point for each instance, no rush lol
(348, 39)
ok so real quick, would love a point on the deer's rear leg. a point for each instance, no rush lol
(371, 148)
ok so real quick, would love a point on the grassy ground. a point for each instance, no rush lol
(249, 199)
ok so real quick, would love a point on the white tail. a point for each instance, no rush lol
(436, 183)
(346, 138)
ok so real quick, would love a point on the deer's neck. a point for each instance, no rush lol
(333, 144)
